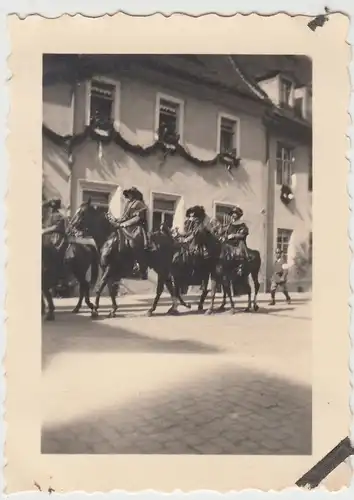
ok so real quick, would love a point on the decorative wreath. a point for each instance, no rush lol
(230, 159)
(286, 194)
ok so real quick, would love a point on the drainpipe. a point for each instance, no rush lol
(268, 209)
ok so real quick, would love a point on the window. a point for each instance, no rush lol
(169, 114)
(283, 239)
(299, 106)
(285, 92)
(99, 199)
(222, 213)
(102, 97)
(310, 248)
(227, 134)
(284, 164)
(163, 211)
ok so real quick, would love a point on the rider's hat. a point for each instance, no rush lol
(134, 193)
(237, 211)
(55, 203)
(197, 211)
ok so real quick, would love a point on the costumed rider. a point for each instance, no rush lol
(134, 221)
(195, 221)
(55, 223)
(55, 230)
(237, 232)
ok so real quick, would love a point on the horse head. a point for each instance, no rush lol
(80, 219)
(91, 221)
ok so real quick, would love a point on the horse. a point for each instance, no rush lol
(119, 252)
(222, 264)
(77, 258)
(235, 270)
(191, 264)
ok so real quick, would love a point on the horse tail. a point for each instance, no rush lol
(258, 261)
(95, 264)
(255, 268)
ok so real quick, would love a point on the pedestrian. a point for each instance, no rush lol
(279, 277)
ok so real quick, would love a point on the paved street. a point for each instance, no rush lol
(191, 384)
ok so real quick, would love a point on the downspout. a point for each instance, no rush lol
(70, 160)
(268, 206)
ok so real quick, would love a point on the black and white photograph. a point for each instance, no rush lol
(177, 254)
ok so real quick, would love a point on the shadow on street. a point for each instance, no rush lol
(231, 411)
(80, 333)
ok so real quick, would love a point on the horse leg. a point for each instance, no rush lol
(210, 309)
(50, 316)
(204, 294)
(159, 290)
(81, 298)
(43, 306)
(79, 271)
(113, 287)
(249, 295)
(88, 302)
(223, 302)
(228, 292)
(99, 290)
(256, 290)
(177, 292)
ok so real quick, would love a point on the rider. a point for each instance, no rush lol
(237, 232)
(194, 222)
(134, 221)
(55, 226)
(135, 214)
(55, 223)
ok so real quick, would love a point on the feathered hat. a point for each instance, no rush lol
(197, 211)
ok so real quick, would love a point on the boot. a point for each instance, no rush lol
(272, 302)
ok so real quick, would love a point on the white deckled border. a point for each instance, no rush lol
(93, 8)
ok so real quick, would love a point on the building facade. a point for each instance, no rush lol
(212, 106)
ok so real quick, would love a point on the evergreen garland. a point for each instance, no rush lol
(167, 142)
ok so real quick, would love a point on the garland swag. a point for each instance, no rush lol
(167, 143)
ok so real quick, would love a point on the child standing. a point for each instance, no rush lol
(279, 278)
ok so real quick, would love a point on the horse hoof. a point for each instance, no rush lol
(50, 317)
(149, 313)
(221, 309)
(75, 310)
(111, 314)
(232, 310)
(208, 312)
(247, 310)
(256, 307)
(200, 310)
(188, 306)
(94, 314)
(172, 312)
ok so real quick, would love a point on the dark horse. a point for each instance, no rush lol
(77, 258)
(224, 265)
(192, 262)
(119, 251)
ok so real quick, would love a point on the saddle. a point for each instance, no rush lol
(129, 238)
(88, 240)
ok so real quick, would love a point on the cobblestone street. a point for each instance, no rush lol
(192, 384)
